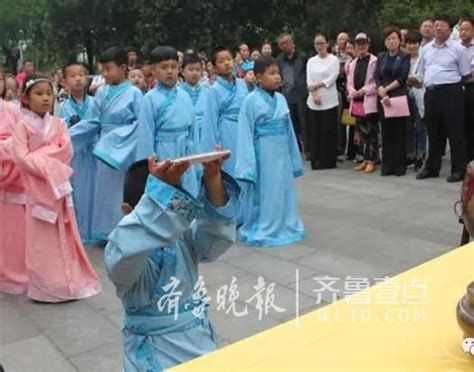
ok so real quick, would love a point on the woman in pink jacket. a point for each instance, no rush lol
(363, 95)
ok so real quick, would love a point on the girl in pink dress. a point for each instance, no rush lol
(13, 277)
(57, 265)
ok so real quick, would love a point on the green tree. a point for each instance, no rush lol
(410, 13)
(60, 29)
(89, 25)
(21, 20)
(186, 23)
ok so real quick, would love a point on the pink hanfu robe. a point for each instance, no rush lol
(57, 265)
(13, 276)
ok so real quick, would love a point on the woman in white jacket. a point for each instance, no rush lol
(322, 71)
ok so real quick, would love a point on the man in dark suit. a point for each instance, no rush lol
(293, 71)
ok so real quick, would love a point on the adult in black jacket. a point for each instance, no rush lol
(293, 71)
(393, 67)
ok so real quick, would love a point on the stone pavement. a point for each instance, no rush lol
(357, 225)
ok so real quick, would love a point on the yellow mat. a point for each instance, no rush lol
(405, 324)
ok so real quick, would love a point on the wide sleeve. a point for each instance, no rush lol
(49, 163)
(194, 135)
(214, 231)
(200, 109)
(334, 70)
(146, 129)
(197, 146)
(45, 171)
(9, 172)
(118, 148)
(161, 217)
(210, 124)
(246, 161)
(87, 130)
(293, 148)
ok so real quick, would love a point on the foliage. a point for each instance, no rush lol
(56, 30)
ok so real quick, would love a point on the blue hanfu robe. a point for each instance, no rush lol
(83, 164)
(168, 129)
(111, 131)
(221, 116)
(160, 243)
(199, 95)
(269, 160)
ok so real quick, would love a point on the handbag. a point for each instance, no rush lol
(347, 118)
(357, 109)
(398, 107)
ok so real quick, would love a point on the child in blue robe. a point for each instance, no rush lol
(268, 160)
(167, 118)
(74, 109)
(192, 72)
(111, 131)
(222, 111)
(153, 255)
(249, 75)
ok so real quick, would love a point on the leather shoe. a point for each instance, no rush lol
(426, 174)
(400, 172)
(455, 177)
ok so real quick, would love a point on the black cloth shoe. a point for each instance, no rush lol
(387, 172)
(316, 166)
(418, 164)
(424, 174)
(400, 172)
(455, 177)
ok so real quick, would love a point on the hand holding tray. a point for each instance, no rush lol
(203, 158)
